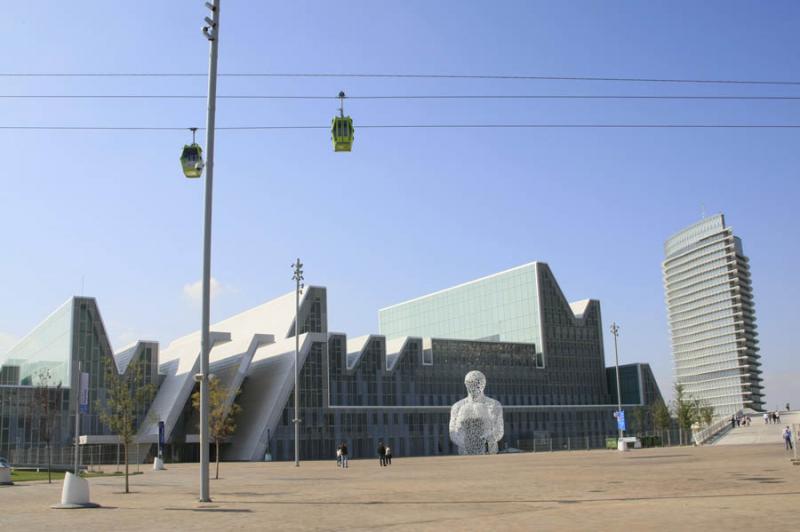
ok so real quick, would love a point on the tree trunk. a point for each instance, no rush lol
(126, 468)
(217, 474)
(49, 475)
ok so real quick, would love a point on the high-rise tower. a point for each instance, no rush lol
(711, 317)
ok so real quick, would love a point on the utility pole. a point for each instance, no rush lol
(298, 278)
(615, 332)
(211, 32)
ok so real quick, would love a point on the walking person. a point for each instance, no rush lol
(787, 438)
(388, 455)
(339, 456)
(381, 453)
(343, 450)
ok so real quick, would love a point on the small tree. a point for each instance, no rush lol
(639, 416)
(661, 416)
(705, 414)
(46, 406)
(125, 396)
(221, 416)
(685, 411)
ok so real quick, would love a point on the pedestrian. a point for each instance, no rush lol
(766, 417)
(339, 456)
(787, 407)
(733, 421)
(738, 421)
(787, 438)
(777, 417)
(381, 453)
(388, 455)
(343, 449)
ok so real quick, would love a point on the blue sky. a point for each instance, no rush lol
(408, 211)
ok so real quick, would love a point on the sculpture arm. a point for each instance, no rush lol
(455, 432)
(498, 426)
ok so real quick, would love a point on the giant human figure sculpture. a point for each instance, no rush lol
(476, 422)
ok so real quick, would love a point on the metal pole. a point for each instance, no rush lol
(77, 393)
(615, 332)
(298, 277)
(211, 32)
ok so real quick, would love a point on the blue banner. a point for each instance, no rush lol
(84, 393)
(160, 438)
(620, 415)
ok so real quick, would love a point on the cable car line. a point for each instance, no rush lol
(401, 97)
(395, 76)
(417, 126)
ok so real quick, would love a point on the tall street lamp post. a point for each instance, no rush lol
(298, 278)
(211, 32)
(620, 443)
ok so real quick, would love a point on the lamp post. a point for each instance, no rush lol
(615, 332)
(211, 32)
(298, 278)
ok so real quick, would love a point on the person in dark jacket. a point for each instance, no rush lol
(343, 450)
(381, 453)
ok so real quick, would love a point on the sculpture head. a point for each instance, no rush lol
(475, 381)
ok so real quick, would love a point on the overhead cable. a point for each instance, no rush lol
(395, 76)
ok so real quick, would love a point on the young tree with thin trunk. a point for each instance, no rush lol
(125, 396)
(221, 415)
(705, 413)
(639, 415)
(662, 420)
(46, 406)
(685, 411)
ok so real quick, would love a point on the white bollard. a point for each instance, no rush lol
(5, 476)
(75, 493)
(158, 464)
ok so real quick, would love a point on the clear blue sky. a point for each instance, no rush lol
(408, 211)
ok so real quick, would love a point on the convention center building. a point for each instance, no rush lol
(542, 357)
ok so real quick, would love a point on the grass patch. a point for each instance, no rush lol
(23, 475)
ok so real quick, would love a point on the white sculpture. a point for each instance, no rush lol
(476, 422)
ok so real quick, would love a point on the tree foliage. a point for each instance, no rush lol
(662, 420)
(640, 417)
(685, 410)
(221, 413)
(126, 395)
(46, 411)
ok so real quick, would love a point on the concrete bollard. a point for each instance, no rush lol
(5, 476)
(75, 493)
(158, 464)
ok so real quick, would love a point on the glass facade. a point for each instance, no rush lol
(408, 406)
(501, 307)
(47, 346)
(74, 334)
(712, 317)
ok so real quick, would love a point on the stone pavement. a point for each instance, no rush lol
(679, 488)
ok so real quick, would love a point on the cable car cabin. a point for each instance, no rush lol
(192, 160)
(342, 133)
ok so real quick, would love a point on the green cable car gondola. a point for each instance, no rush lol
(342, 129)
(192, 158)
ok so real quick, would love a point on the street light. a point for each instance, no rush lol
(211, 32)
(298, 278)
(620, 444)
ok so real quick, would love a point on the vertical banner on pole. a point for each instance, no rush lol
(620, 415)
(161, 439)
(84, 396)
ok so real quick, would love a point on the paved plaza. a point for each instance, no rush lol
(707, 488)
